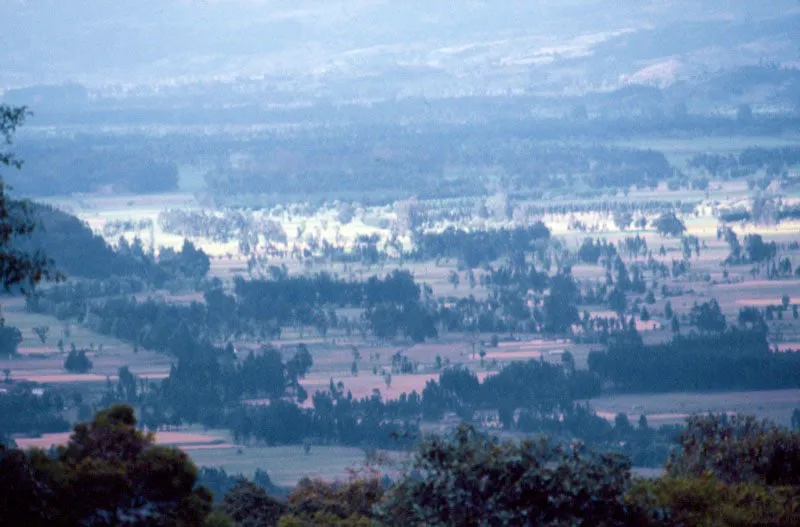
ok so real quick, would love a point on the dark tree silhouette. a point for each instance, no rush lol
(708, 317)
(19, 269)
(668, 224)
(77, 362)
(109, 473)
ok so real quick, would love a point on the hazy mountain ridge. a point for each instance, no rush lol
(374, 50)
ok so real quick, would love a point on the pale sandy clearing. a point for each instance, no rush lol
(45, 441)
(36, 350)
(60, 377)
(364, 384)
(186, 440)
(764, 302)
(514, 355)
(207, 447)
(610, 416)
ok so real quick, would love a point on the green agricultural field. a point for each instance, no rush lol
(286, 465)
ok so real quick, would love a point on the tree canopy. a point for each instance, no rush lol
(109, 473)
(475, 480)
(19, 269)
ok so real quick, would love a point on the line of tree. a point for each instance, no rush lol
(737, 359)
(391, 305)
(65, 166)
(774, 160)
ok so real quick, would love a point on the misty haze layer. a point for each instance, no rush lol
(373, 49)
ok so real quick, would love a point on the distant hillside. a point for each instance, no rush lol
(75, 249)
(179, 52)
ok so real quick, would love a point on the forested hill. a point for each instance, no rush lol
(75, 249)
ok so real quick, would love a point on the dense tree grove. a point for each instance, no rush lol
(418, 160)
(64, 166)
(304, 300)
(77, 362)
(249, 505)
(668, 224)
(24, 411)
(708, 317)
(67, 241)
(733, 360)
(535, 386)
(473, 249)
(207, 382)
(392, 306)
(775, 161)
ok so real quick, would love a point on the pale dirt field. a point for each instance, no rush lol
(364, 385)
(49, 368)
(211, 439)
(221, 446)
(335, 362)
(763, 302)
(68, 378)
(43, 363)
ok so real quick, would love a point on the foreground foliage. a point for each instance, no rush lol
(476, 480)
(109, 473)
(707, 502)
(737, 449)
(727, 471)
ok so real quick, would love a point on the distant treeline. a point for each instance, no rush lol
(774, 160)
(416, 163)
(62, 167)
(259, 307)
(733, 360)
(381, 161)
(438, 161)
